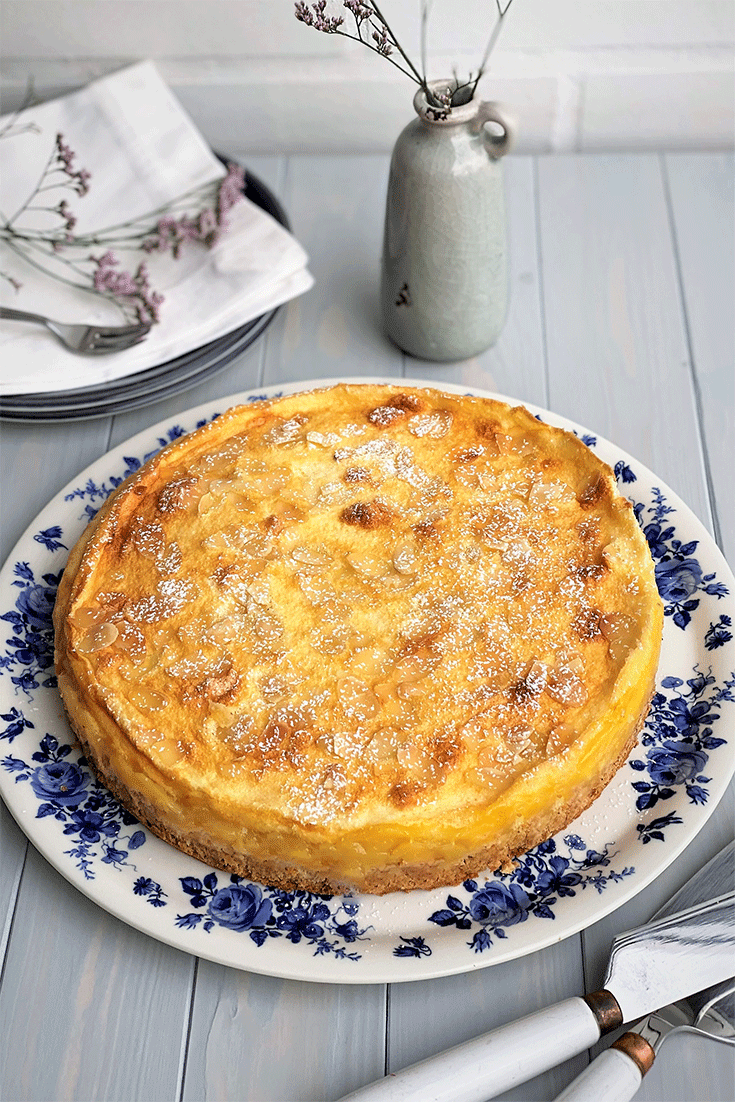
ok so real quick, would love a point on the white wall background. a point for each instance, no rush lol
(577, 74)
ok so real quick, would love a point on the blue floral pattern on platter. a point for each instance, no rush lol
(673, 762)
(540, 878)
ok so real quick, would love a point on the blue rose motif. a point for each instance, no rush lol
(675, 763)
(240, 906)
(37, 604)
(500, 905)
(678, 579)
(61, 782)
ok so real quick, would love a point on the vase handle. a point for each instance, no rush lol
(497, 145)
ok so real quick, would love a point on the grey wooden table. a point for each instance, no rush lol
(621, 319)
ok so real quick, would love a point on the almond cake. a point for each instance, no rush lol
(368, 638)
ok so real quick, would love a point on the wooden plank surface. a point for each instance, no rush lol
(701, 193)
(615, 321)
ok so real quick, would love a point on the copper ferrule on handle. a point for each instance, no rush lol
(638, 1049)
(606, 1010)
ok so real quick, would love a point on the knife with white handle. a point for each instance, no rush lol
(649, 967)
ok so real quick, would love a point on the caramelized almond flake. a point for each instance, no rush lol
(549, 495)
(435, 424)
(356, 698)
(409, 690)
(217, 686)
(405, 559)
(620, 632)
(224, 630)
(494, 761)
(88, 617)
(254, 544)
(367, 514)
(97, 638)
(129, 638)
(284, 432)
(384, 416)
(148, 539)
(273, 688)
(147, 700)
(177, 495)
(323, 439)
(220, 486)
(383, 745)
(565, 686)
(313, 556)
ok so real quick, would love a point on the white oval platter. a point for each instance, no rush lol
(652, 809)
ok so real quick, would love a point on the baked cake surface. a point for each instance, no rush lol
(367, 637)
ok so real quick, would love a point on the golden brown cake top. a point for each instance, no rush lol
(360, 601)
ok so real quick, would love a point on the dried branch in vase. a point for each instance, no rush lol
(369, 26)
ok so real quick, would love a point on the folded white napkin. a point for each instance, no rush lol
(143, 152)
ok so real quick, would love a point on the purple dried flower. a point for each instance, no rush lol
(147, 309)
(230, 191)
(107, 280)
(120, 284)
(78, 178)
(382, 45)
(207, 227)
(82, 179)
(69, 219)
(360, 11)
(316, 17)
(64, 153)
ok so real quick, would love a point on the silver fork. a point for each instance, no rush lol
(87, 340)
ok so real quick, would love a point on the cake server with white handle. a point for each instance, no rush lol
(616, 1074)
(688, 947)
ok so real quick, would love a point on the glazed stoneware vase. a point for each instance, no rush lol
(444, 281)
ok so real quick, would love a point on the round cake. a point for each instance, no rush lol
(365, 638)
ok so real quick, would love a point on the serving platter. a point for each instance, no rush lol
(653, 808)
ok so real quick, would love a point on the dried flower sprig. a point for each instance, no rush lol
(199, 216)
(373, 30)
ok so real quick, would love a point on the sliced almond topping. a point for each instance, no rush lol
(357, 698)
(565, 686)
(435, 424)
(312, 556)
(89, 617)
(620, 631)
(405, 559)
(147, 700)
(549, 495)
(383, 745)
(97, 638)
(285, 432)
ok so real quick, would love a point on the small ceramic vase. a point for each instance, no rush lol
(444, 285)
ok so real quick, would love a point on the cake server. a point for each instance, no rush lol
(687, 947)
(616, 1074)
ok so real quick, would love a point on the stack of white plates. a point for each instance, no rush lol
(155, 383)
